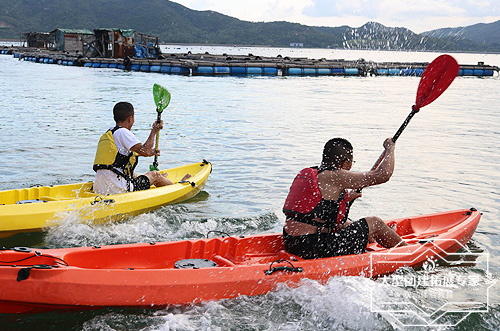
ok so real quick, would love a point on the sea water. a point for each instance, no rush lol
(258, 132)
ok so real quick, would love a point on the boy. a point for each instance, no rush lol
(116, 156)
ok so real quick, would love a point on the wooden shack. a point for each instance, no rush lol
(71, 40)
(42, 40)
(114, 43)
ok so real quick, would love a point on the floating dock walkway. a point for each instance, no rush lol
(242, 65)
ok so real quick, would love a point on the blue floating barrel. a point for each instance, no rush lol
(121, 66)
(104, 65)
(60, 62)
(270, 71)
(238, 71)
(70, 62)
(114, 65)
(16, 55)
(254, 70)
(337, 71)
(145, 67)
(394, 72)
(478, 72)
(96, 65)
(134, 67)
(294, 71)
(203, 70)
(309, 71)
(165, 69)
(406, 72)
(87, 64)
(178, 70)
(468, 72)
(351, 71)
(155, 68)
(418, 72)
(219, 70)
(323, 71)
(51, 61)
(65, 63)
(382, 71)
(488, 72)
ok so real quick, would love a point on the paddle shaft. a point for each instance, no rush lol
(155, 162)
(396, 136)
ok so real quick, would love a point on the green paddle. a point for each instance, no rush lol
(162, 99)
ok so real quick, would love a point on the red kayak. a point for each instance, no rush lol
(191, 271)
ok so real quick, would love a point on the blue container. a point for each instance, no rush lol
(113, 65)
(394, 72)
(65, 63)
(468, 72)
(488, 72)
(270, 71)
(478, 72)
(337, 71)
(294, 71)
(179, 70)
(87, 64)
(16, 55)
(238, 71)
(254, 70)
(134, 67)
(418, 72)
(222, 70)
(407, 72)
(165, 69)
(51, 61)
(121, 66)
(203, 70)
(309, 71)
(145, 68)
(351, 71)
(382, 71)
(323, 71)
(155, 68)
(104, 65)
(96, 65)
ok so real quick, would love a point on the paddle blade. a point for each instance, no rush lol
(436, 78)
(162, 97)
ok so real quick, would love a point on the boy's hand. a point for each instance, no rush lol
(157, 126)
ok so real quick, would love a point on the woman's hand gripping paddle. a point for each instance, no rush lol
(162, 99)
(436, 78)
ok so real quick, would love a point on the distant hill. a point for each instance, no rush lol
(174, 23)
(485, 34)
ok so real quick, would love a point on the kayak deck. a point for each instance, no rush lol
(190, 271)
(31, 209)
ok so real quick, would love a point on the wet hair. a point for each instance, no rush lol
(336, 152)
(122, 110)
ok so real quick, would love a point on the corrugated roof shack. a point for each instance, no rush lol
(71, 40)
(115, 43)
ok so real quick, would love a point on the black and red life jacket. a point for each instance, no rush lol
(305, 202)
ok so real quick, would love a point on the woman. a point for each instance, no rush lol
(318, 204)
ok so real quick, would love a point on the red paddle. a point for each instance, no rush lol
(436, 78)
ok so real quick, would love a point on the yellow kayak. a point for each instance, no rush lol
(32, 209)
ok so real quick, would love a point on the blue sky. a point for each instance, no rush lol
(416, 15)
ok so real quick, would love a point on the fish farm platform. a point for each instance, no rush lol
(242, 65)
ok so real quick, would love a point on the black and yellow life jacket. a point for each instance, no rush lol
(107, 157)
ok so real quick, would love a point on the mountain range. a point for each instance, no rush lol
(174, 23)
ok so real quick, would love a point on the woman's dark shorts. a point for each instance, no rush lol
(141, 183)
(350, 240)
